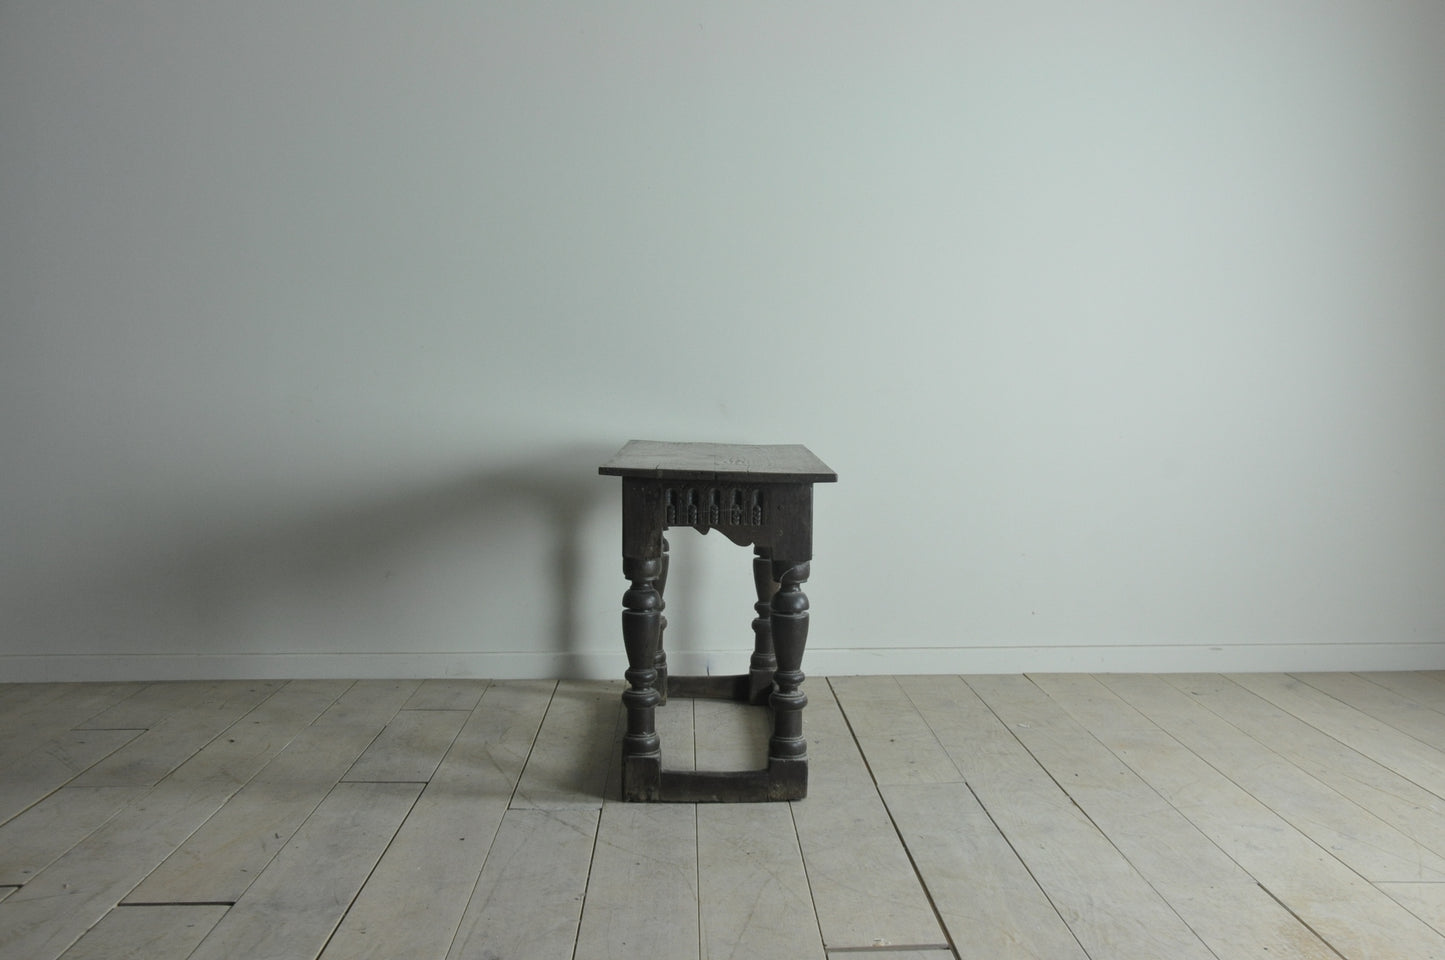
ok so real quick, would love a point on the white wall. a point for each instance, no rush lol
(1122, 323)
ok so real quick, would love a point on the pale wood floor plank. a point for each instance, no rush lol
(1408, 807)
(971, 737)
(147, 933)
(885, 904)
(447, 695)
(677, 731)
(1400, 752)
(41, 835)
(221, 859)
(1424, 900)
(891, 955)
(731, 735)
(983, 891)
(76, 705)
(897, 747)
(527, 904)
(1368, 844)
(299, 899)
(18, 698)
(642, 895)
(177, 736)
(1069, 789)
(752, 888)
(1108, 905)
(150, 704)
(246, 746)
(410, 748)
(34, 701)
(415, 899)
(1221, 903)
(69, 896)
(1421, 687)
(34, 723)
(367, 700)
(226, 855)
(61, 759)
(1421, 719)
(1344, 909)
(574, 752)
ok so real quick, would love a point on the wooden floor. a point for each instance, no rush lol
(1057, 817)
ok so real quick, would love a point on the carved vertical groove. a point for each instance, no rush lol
(789, 621)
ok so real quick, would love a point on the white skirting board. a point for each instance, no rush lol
(822, 661)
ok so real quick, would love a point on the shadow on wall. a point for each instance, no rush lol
(490, 561)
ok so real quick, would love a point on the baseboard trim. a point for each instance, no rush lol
(1123, 658)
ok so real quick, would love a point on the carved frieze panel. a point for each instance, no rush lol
(714, 506)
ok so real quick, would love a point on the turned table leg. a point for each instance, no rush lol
(641, 634)
(764, 662)
(789, 617)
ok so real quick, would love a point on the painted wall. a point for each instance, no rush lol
(1123, 324)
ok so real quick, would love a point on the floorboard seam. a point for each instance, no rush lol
(893, 822)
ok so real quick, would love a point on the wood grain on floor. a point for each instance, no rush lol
(1119, 817)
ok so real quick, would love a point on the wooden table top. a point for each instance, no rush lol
(789, 462)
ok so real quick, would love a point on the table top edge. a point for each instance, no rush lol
(664, 460)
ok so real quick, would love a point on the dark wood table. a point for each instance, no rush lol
(759, 496)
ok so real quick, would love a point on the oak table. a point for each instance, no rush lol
(755, 495)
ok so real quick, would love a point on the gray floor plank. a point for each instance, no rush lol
(1408, 807)
(527, 904)
(1220, 901)
(1421, 719)
(1421, 687)
(884, 905)
(147, 933)
(1406, 755)
(892, 955)
(410, 748)
(1044, 817)
(1369, 845)
(896, 745)
(48, 914)
(753, 891)
(299, 899)
(243, 748)
(177, 736)
(1340, 906)
(676, 729)
(34, 722)
(731, 735)
(415, 899)
(1424, 900)
(223, 857)
(151, 704)
(642, 895)
(1108, 906)
(55, 763)
(41, 835)
(983, 891)
(574, 753)
(447, 695)
(16, 699)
